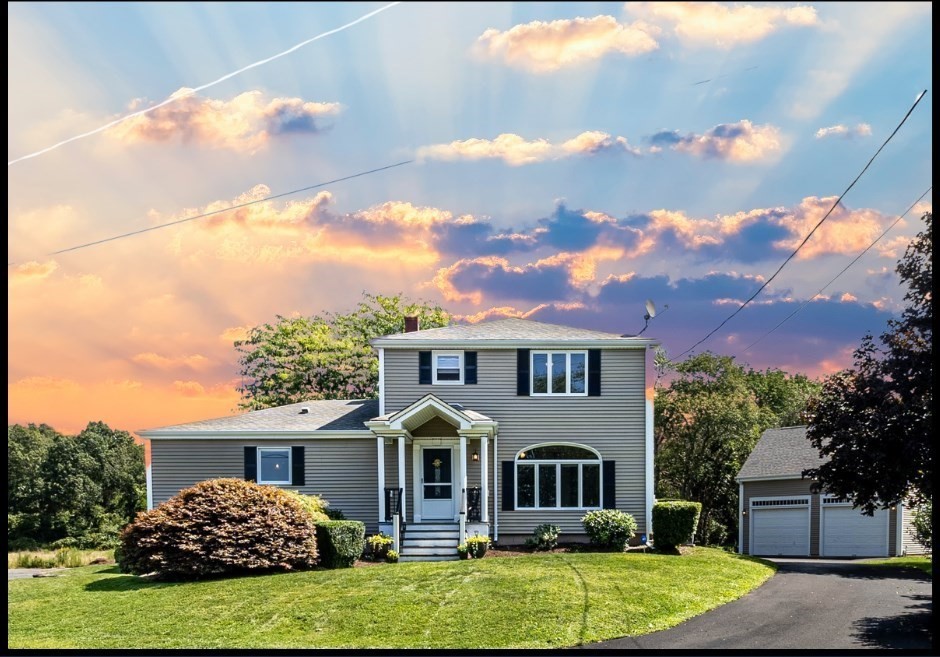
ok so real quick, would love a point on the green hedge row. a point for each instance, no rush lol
(340, 542)
(674, 523)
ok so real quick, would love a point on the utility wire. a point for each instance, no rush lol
(806, 239)
(834, 278)
(228, 209)
(190, 92)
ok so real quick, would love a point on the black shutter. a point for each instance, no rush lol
(522, 372)
(251, 463)
(509, 485)
(594, 372)
(469, 367)
(297, 466)
(424, 367)
(610, 486)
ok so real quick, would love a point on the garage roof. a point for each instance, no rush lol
(782, 453)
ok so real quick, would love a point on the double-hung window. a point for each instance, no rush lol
(447, 367)
(274, 465)
(558, 477)
(559, 373)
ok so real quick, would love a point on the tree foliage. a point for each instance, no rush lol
(83, 488)
(324, 357)
(874, 422)
(708, 419)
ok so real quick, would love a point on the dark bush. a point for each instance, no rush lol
(341, 542)
(334, 514)
(220, 526)
(609, 528)
(674, 523)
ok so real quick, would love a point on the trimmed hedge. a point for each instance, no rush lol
(341, 542)
(220, 526)
(609, 528)
(674, 523)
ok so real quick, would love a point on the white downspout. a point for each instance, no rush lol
(496, 487)
(484, 479)
(149, 488)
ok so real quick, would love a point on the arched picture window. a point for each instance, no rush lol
(558, 476)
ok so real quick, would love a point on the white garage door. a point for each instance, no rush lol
(780, 526)
(847, 533)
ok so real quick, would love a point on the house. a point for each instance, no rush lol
(783, 514)
(491, 428)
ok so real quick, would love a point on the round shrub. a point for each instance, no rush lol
(609, 528)
(314, 504)
(674, 523)
(217, 527)
(544, 537)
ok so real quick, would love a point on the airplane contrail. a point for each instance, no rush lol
(190, 92)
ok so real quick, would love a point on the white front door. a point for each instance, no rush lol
(437, 487)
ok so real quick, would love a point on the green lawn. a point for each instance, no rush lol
(913, 561)
(536, 601)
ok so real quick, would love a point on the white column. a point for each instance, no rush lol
(496, 486)
(380, 445)
(484, 478)
(381, 382)
(463, 473)
(401, 477)
(150, 488)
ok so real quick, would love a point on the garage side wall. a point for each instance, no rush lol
(782, 487)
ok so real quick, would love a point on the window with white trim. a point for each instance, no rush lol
(274, 465)
(559, 373)
(447, 367)
(559, 476)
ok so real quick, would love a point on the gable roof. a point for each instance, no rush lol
(508, 332)
(782, 453)
(324, 415)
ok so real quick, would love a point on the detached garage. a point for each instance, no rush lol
(782, 515)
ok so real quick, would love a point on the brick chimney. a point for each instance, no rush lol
(411, 324)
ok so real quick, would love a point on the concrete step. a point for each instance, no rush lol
(430, 535)
(428, 542)
(415, 551)
(428, 558)
(433, 526)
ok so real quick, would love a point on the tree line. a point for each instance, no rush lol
(71, 490)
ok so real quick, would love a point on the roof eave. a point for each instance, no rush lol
(614, 343)
(769, 477)
(254, 433)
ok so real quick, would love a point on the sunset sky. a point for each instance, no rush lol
(570, 161)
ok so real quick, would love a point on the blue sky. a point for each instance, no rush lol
(572, 160)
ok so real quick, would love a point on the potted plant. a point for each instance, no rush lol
(477, 546)
(380, 545)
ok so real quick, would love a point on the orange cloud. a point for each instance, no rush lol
(245, 123)
(196, 361)
(517, 151)
(542, 47)
(721, 25)
(734, 142)
(33, 271)
(235, 333)
(845, 231)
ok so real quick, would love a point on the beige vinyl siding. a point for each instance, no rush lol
(785, 487)
(344, 471)
(782, 488)
(613, 424)
(909, 545)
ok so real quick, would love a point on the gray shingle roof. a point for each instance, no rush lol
(323, 415)
(781, 452)
(512, 328)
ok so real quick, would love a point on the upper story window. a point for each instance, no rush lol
(447, 367)
(274, 465)
(559, 372)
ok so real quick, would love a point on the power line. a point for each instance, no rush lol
(190, 92)
(806, 239)
(834, 278)
(228, 209)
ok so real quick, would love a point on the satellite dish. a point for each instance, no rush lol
(650, 309)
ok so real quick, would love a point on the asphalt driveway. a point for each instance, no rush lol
(811, 604)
